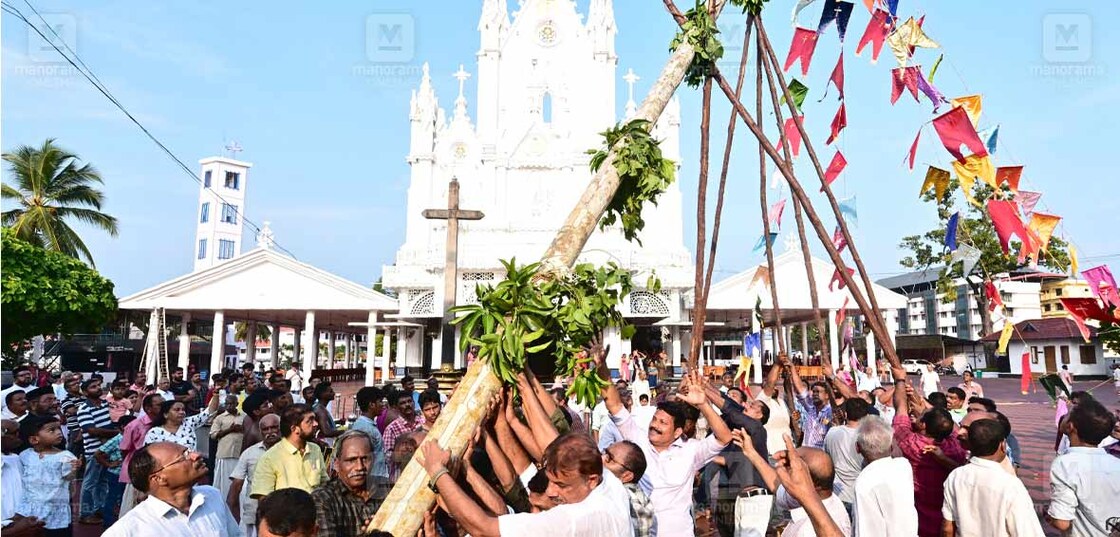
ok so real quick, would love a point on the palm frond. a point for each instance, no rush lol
(94, 218)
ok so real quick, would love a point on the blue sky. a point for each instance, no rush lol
(291, 83)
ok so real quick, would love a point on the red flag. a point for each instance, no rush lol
(1009, 175)
(834, 168)
(842, 313)
(838, 124)
(837, 279)
(793, 134)
(914, 149)
(876, 33)
(775, 213)
(955, 129)
(837, 76)
(904, 77)
(993, 295)
(838, 240)
(1005, 218)
(1025, 380)
(804, 42)
(1086, 308)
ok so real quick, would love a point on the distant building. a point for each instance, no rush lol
(221, 203)
(1052, 343)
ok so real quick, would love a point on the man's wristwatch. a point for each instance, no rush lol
(439, 474)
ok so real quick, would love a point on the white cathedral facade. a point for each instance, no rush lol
(546, 82)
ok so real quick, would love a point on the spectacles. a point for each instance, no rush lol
(181, 458)
(611, 458)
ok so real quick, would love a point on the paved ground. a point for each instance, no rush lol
(1031, 415)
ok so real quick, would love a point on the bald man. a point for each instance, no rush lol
(243, 507)
(962, 434)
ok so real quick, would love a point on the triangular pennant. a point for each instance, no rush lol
(1005, 336)
(801, 49)
(892, 6)
(793, 135)
(1072, 260)
(936, 64)
(875, 34)
(838, 123)
(951, 232)
(798, 91)
(838, 240)
(1089, 308)
(834, 168)
(955, 129)
(842, 313)
(938, 180)
(848, 209)
(972, 105)
(968, 255)
(930, 92)
(1102, 284)
(1027, 200)
(835, 11)
(776, 179)
(908, 34)
(775, 213)
(976, 166)
(904, 77)
(763, 243)
(1043, 227)
(1009, 175)
(1005, 219)
(836, 78)
(993, 295)
(837, 279)
(801, 4)
(913, 149)
(990, 136)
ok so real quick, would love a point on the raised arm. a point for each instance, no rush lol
(836, 383)
(611, 397)
(799, 387)
(770, 383)
(901, 401)
(492, 502)
(540, 423)
(794, 476)
(692, 392)
(523, 433)
(761, 465)
(459, 504)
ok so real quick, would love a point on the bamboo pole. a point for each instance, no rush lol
(402, 512)
(700, 294)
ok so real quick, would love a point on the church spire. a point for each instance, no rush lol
(461, 101)
(493, 24)
(601, 27)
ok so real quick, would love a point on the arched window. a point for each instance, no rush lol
(546, 107)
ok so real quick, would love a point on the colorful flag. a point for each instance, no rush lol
(804, 42)
(993, 295)
(838, 240)
(972, 106)
(930, 92)
(908, 34)
(954, 128)
(762, 242)
(1043, 227)
(775, 214)
(798, 91)
(835, 11)
(990, 136)
(836, 278)
(914, 149)
(1009, 175)
(1025, 378)
(848, 209)
(793, 134)
(1072, 260)
(1084, 308)
(892, 6)
(1005, 218)
(836, 78)
(936, 64)
(968, 256)
(876, 34)
(976, 166)
(904, 77)
(838, 123)
(1103, 284)
(1005, 336)
(776, 179)
(801, 4)
(834, 168)
(842, 313)
(951, 232)
(1027, 200)
(938, 180)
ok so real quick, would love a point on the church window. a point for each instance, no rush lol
(646, 303)
(546, 107)
(225, 249)
(233, 180)
(229, 213)
(205, 216)
(206, 179)
(202, 248)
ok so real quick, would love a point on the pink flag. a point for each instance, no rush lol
(876, 34)
(914, 149)
(955, 128)
(837, 76)
(1005, 218)
(1027, 200)
(1025, 378)
(1103, 284)
(834, 168)
(904, 77)
(802, 47)
(776, 213)
(838, 240)
(1009, 175)
(793, 134)
(838, 124)
(836, 278)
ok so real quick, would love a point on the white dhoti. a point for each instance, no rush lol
(752, 515)
(222, 470)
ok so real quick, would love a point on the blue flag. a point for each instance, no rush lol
(848, 209)
(751, 343)
(951, 232)
(758, 246)
(990, 138)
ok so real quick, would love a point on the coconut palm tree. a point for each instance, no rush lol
(52, 190)
(241, 331)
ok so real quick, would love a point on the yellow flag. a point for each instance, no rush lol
(975, 166)
(909, 34)
(744, 367)
(972, 106)
(1072, 260)
(1005, 336)
(1043, 226)
(938, 179)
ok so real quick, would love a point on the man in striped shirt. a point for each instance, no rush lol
(93, 418)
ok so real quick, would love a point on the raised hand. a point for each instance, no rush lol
(794, 473)
(826, 369)
(692, 390)
(743, 440)
(433, 457)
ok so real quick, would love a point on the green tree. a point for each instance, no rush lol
(52, 189)
(241, 331)
(1109, 334)
(45, 292)
(974, 228)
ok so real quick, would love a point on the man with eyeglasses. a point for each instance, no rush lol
(176, 505)
(627, 462)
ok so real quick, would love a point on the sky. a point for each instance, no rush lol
(324, 125)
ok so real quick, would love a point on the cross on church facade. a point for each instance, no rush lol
(453, 214)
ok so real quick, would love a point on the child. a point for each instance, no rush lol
(109, 456)
(47, 472)
(119, 405)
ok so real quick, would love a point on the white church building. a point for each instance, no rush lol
(545, 82)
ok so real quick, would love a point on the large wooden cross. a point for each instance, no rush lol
(453, 214)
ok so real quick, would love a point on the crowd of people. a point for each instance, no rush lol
(843, 454)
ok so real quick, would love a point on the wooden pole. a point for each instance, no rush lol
(700, 300)
(765, 217)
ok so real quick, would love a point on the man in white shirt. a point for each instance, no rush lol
(175, 505)
(1085, 482)
(840, 444)
(884, 490)
(983, 500)
(295, 378)
(779, 423)
(672, 460)
(12, 483)
(590, 502)
(23, 379)
(241, 505)
(599, 416)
